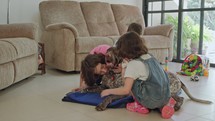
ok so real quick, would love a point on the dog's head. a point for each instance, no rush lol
(112, 59)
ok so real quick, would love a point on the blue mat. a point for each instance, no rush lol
(95, 99)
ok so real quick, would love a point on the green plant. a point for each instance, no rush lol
(195, 33)
(190, 32)
(189, 29)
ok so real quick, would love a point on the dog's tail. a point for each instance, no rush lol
(193, 98)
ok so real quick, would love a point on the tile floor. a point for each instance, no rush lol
(38, 98)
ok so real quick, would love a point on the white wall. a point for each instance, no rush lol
(25, 11)
(3, 11)
(28, 10)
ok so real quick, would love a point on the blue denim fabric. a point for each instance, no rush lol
(155, 91)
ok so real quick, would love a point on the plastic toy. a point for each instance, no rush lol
(192, 65)
(194, 78)
(166, 64)
(206, 73)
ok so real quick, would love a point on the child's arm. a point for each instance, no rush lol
(83, 84)
(81, 80)
(125, 90)
(123, 73)
(123, 66)
(128, 83)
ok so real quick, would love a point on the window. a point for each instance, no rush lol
(194, 22)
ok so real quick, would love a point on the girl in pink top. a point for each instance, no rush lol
(100, 49)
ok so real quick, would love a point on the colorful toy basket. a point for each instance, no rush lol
(192, 65)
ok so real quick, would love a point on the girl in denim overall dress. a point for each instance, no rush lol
(144, 78)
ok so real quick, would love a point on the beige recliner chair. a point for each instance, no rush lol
(18, 52)
(72, 29)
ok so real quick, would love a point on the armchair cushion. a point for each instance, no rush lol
(99, 18)
(66, 11)
(126, 14)
(23, 46)
(6, 56)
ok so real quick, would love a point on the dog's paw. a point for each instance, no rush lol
(83, 91)
(179, 103)
(100, 107)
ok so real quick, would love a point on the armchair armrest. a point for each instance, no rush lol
(28, 30)
(62, 25)
(164, 30)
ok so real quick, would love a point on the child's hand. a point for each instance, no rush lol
(76, 89)
(105, 93)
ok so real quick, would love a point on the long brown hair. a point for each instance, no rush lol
(131, 46)
(88, 68)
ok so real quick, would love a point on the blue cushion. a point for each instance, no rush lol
(95, 99)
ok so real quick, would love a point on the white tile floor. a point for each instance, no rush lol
(38, 98)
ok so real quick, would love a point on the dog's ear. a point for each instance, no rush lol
(108, 58)
(113, 56)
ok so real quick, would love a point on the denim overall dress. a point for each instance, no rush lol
(154, 92)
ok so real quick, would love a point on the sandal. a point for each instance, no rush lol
(168, 110)
(135, 107)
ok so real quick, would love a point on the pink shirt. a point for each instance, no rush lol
(100, 49)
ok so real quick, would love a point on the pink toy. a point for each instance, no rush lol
(100, 49)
